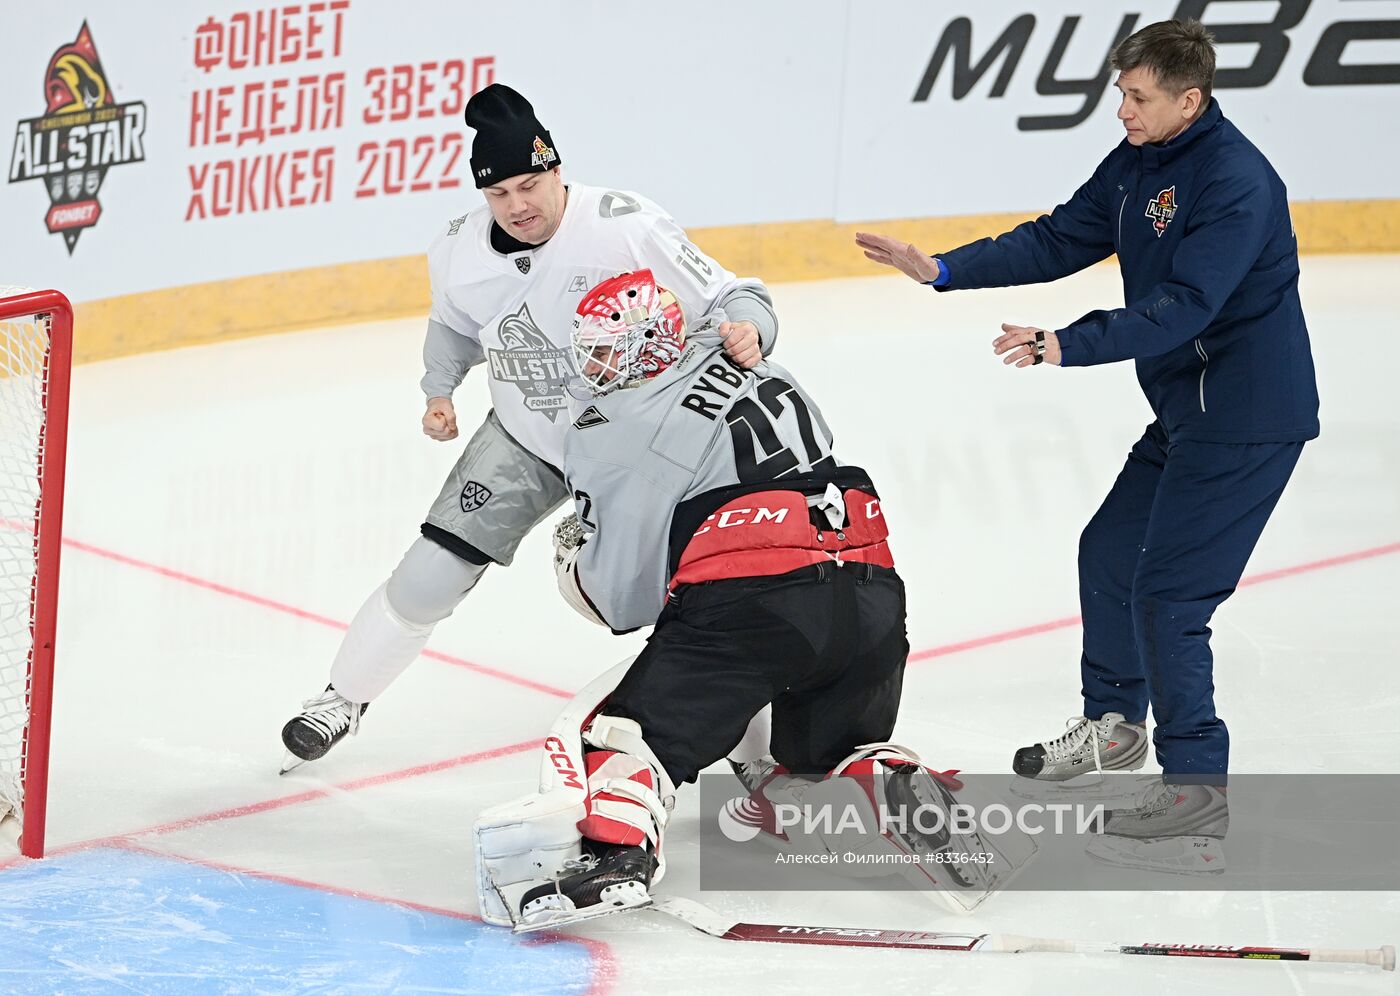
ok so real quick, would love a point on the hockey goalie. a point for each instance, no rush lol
(709, 503)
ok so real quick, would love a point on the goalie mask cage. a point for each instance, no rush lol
(36, 348)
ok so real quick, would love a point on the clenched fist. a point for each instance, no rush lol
(440, 420)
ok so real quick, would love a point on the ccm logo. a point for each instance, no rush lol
(730, 518)
(562, 762)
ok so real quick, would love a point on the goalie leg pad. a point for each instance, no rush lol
(537, 838)
(922, 818)
(622, 801)
(629, 794)
(520, 843)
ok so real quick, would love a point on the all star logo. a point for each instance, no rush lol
(455, 225)
(578, 283)
(82, 133)
(522, 263)
(474, 495)
(532, 363)
(591, 416)
(1161, 209)
(543, 155)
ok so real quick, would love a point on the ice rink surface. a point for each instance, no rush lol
(229, 507)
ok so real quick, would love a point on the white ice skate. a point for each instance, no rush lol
(1177, 829)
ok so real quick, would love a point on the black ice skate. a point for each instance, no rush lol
(607, 879)
(323, 723)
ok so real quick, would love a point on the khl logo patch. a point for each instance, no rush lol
(474, 495)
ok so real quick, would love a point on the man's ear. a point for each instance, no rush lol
(1191, 101)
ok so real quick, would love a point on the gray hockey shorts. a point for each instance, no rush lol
(497, 492)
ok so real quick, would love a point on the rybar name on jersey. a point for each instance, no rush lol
(709, 394)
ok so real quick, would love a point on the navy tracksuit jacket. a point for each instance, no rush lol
(1212, 320)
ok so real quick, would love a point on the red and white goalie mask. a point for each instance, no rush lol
(626, 329)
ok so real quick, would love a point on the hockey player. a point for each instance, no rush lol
(505, 279)
(709, 494)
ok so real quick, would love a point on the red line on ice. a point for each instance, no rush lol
(281, 802)
(491, 753)
(292, 610)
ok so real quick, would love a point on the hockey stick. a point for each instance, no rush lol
(704, 919)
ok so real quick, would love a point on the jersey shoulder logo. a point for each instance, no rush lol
(1162, 208)
(522, 263)
(614, 205)
(591, 416)
(455, 225)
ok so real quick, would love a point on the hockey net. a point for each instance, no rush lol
(35, 354)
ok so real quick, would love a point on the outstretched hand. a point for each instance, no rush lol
(1026, 345)
(903, 256)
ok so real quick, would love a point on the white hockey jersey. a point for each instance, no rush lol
(514, 313)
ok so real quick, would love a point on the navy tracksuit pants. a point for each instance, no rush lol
(1167, 546)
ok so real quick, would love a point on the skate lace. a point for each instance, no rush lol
(584, 862)
(1077, 730)
(1154, 793)
(330, 713)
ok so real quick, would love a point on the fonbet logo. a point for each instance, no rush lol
(82, 133)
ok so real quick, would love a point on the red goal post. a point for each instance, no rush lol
(36, 351)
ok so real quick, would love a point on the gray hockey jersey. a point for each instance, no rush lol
(513, 314)
(634, 455)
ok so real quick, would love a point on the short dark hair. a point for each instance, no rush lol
(1180, 53)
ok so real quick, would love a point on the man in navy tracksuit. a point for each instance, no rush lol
(1200, 223)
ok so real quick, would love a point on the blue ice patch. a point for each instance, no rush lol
(109, 920)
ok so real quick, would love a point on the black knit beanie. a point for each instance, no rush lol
(509, 138)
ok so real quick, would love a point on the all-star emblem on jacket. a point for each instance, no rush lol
(1161, 209)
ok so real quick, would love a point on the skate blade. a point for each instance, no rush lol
(1089, 787)
(290, 763)
(1189, 855)
(614, 899)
